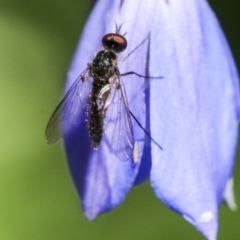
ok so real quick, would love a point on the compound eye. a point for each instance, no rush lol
(114, 42)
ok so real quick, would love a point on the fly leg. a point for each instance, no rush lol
(136, 120)
(139, 75)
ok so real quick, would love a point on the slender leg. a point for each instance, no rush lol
(136, 48)
(134, 73)
(140, 125)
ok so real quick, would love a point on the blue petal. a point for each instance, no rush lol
(193, 111)
(101, 179)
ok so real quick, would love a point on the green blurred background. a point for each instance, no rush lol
(38, 200)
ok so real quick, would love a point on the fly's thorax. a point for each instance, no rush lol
(104, 65)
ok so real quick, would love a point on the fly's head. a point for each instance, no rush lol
(114, 42)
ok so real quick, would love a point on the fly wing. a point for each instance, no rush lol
(117, 123)
(69, 109)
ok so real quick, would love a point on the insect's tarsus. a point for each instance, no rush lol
(139, 75)
(146, 132)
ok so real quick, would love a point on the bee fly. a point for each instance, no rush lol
(99, 91)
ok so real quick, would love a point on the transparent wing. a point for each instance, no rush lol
(70, 108)
(117, 123)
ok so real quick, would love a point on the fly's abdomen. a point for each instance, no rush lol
(96, 118)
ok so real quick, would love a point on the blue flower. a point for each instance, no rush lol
(193, 112)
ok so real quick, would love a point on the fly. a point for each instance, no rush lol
(100, 92)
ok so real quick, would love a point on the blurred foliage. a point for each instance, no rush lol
(38, 200)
